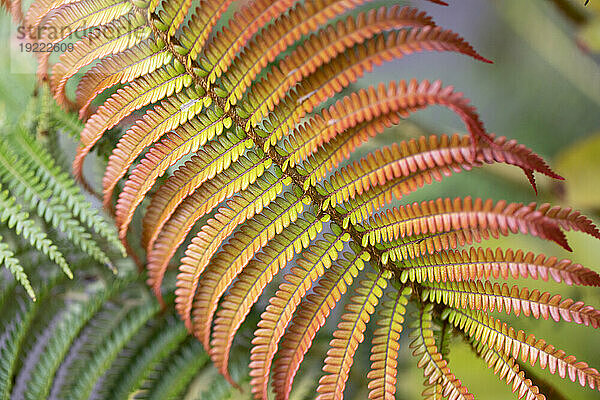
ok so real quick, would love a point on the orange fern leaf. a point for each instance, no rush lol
(431, 361)
(235, 255)
(479, 263)
(311, 315)
(489, 297)
(239, 209)
(214, 157)
(253, 279)
(278, 314)
(245, 172)
(497, 335)
(349, 335)
(384, 352)
(445, 215)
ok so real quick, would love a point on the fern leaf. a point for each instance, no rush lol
(278, 313)
(172, 15)
(479, 263)
(507, 369)
(161, 83)
(349, 335)
(62, 186)
(239, 209)
(195, 33)
(245, 23)
(168, 339)
(445, 215)
(124, 67)
(12, 335)
(245, 172)
(410, 248)
(235, 255)
(435, 368)
(384, 352)
(185, 139)
(276, 38)
(342, 70)
(179, 372)
(7, 258)
(174, 112)
(254, 278)
(420, 162)
(76, 17)
(312, 313)
(41, 9)
(213, 158)
(364, 105)
(324, 46)
(62, 338)
(14, 218)
(488, 297)
(120, 35)
(329, 155)
(503, 338)
(22, 181)
(109, 350)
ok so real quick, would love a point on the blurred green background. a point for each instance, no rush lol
(543, 89)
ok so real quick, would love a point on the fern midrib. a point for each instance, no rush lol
(316, 199)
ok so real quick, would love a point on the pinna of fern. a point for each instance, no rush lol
(243, 115)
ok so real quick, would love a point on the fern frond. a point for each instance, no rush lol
(330, 154)
(62, 338)
(172, 113)
(165, 154)
(220, 52)
(12, 264)
(445, 215)
(253, 279)
(411, 165)
(214, 157)
(76, 17)
(507, 369)
(62, 186)
(167, 340)
(150, 88)
(480, 263)
(435, 368)
(311, 315)
(495, 297)
(242, 174)
(23, 182)
(235, 255)
(171, 15)
(239, 209)
(349, 334)
(497, 335)
(276, 38)
(321, 48)
(332, 77)
(179, 372)
(14, 218)
(121, 68)
(122, 34)
(367, 104)
(195, 34)
(109, 350)
(384, 351)
(318, 257)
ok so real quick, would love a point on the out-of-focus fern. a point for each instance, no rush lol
(106, 338)
(35, 193)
